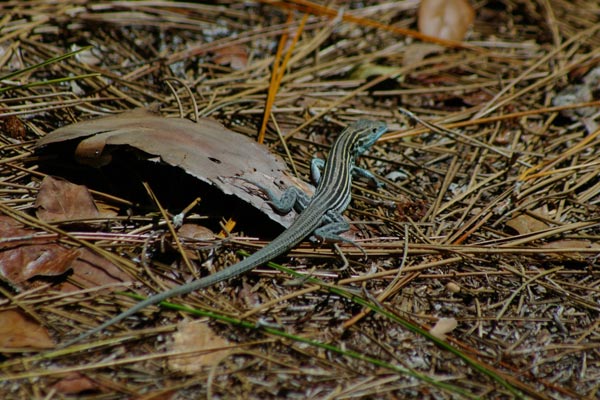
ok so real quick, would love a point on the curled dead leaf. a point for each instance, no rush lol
(236, 56)
(443, 326)
(75, 383)
(195, 231)
(453, 287)
(23, 254)
(25, 262)
(445, 19)
(206, 150)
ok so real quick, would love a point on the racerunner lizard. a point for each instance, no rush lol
(321, 215)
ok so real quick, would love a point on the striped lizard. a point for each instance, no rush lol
(321, 215)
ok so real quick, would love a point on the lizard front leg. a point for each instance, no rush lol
(317, 165)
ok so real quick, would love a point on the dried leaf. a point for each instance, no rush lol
(25, 262)
(13, 233)
(524, 223)
(204, 347)
(573, 244)
(453, 287)
(91, 270)
(195, 231)
(205, 150)
(75, 383)
(477, 97)
(368, 70)
(17, 331)
(13, 126)
(442, 327)
(445, 19)
(23, 256)
(417, 52)
(60, 200)
(236, 56)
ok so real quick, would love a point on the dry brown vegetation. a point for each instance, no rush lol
(490, 217)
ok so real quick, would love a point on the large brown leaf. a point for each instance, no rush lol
(206, 150)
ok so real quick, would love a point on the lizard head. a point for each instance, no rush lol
(364, 133)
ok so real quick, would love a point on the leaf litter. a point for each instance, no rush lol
(439, 238)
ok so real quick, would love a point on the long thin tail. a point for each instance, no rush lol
(288, 239)
(229, 272)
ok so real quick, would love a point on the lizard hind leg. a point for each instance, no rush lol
(330, 232)
(292, 199)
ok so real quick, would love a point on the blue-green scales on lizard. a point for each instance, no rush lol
(321, 215)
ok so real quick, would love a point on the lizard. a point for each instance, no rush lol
(320, 215)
